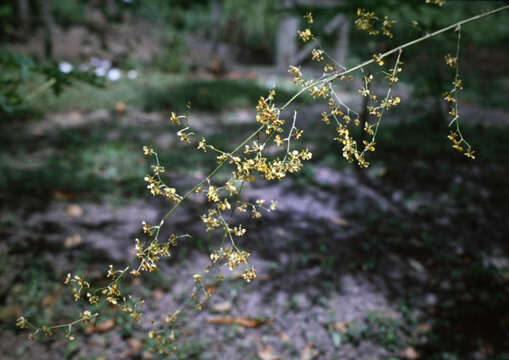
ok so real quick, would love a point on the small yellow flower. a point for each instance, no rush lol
(436, 2)
(458, 84)
(249, 274)
(317, 55)
(147, 229)
(239, 230)
(450, 61)
(22, 323)
(174, 119)
(378, 59)
(279, 141)
(305, 35)
(369, 146)
(449, 97)
(309, 17)
(470, 153)
(202, 145)
(325, 117)
(148, 150)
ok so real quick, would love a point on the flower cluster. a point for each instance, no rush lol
(305, 35)
(451, 97)
(368, 21)
(436, 2)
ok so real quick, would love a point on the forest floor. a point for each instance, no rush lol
(405, 260)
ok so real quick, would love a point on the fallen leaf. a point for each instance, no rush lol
(8, 312)
(422, 328)
(120, 107)
(157, 294)
(72, 241)
(308, 353)
(410, 353)
(48, 300)
(64, 195)
(340, 221)
(210, 288)
(74, 210)
(284, 337)
(341, 327)
(416, 265)
(267, 353)
(186, 332)
(135, 345)
(147, 355)
(222, 307)
(239, 320)
(103, 326)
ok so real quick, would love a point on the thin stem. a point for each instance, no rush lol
(212, 173)
(40, 89)
(288, 139)
(422, 38)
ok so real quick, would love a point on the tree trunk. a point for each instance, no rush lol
(47, 23)
(217, 14)
(24, 17)
(343, 41)
(286, 42)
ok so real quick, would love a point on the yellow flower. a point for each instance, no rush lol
(309, 17)
(369, 146)
(249, 274)
(279, 141)
(148, 150)
(224, 205)
(378, 59)
(436, 2)
(147, 229)
(174, 119)
(202, 145)
(470, 153)
(450, 61)
(212, 195)
(317, 55)
(22, 323)
(458, 83)
(305, 35)
(238, 230)
(325, 117)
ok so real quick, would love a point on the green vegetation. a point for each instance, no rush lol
(211, 95)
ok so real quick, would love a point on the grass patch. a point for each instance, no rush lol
(211, 95)
(97, 168)
(85, 97)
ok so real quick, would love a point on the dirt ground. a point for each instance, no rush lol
(399, 262)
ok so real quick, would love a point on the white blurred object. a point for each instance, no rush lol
(270, 84)
(65, 67)
(100, 71)
(84, 67)
(100, 63)
(132, 74)
(114, 74)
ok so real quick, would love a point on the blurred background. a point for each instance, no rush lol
(407, 259)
